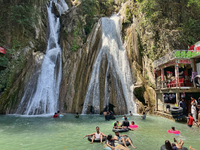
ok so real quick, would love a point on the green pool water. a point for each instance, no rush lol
(46, 133)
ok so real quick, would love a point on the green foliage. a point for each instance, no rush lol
(195, 2)
(129, 15)
(75, 46)
(191, 31)
(23, 16)
(89, 9)
(3, 61)
(172, 25)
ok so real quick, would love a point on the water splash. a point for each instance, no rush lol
(44, 99)
(118, 65)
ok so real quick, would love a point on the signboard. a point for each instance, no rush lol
(169, 64)
(2, 50)
(184, 61)
(191, 48)
(197, 46)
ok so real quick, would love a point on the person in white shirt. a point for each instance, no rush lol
(98, 135)
(194, 111)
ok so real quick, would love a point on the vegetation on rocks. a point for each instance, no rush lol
(18, 19)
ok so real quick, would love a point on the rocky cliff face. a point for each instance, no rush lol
(148, 33)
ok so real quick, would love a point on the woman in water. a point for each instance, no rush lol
(114, 146)
(116, 127)
(169, 146)
(132, 129)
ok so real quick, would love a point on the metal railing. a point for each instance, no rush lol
(176, 54)
(174, 84)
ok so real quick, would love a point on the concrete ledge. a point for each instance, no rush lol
(163, 114)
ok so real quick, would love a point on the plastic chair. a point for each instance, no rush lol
(183, 54)
(173, 83)
(178, 54)
(181, 82)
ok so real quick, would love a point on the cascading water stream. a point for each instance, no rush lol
(45, 98)
(118, 65)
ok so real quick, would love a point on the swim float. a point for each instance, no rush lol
(127, 118)
(121, 130)
(96, 139)
(133, 126)
(175, 132)
(164, 148)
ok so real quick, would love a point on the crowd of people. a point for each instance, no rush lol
(120, 141)
(194, 115)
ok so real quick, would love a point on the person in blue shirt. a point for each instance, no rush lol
(184, 106)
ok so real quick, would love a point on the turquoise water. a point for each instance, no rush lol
(46, 133)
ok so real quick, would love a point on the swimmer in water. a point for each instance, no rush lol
(96, 135)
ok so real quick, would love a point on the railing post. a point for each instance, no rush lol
(162, 77)
(177, 73)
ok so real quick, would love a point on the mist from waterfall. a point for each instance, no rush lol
(44, 99)
(118, 64)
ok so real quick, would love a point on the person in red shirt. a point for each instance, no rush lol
(55, 115)
(191, 120)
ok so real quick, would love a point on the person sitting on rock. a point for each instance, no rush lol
(123, 138)
(98, 135)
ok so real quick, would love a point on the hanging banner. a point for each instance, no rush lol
(184, 61)
(2, 50)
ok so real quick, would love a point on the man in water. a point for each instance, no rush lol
(98, 135)
(77, 115)
(131, 114)
(123, 138)
(143, 116)
(191, 120)
(125, 123)
(183, 105)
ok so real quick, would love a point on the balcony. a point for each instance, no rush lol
(173, 84)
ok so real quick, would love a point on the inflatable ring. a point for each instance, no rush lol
(120, 130)
(127, 118)
(127, 143)
(61, 115)
(163, 148)
(175, 132)
(197, 80)
(96, 139)
(133, 126)
(176, 110)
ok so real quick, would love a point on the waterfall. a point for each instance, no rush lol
(44, 99)
(118, 66)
